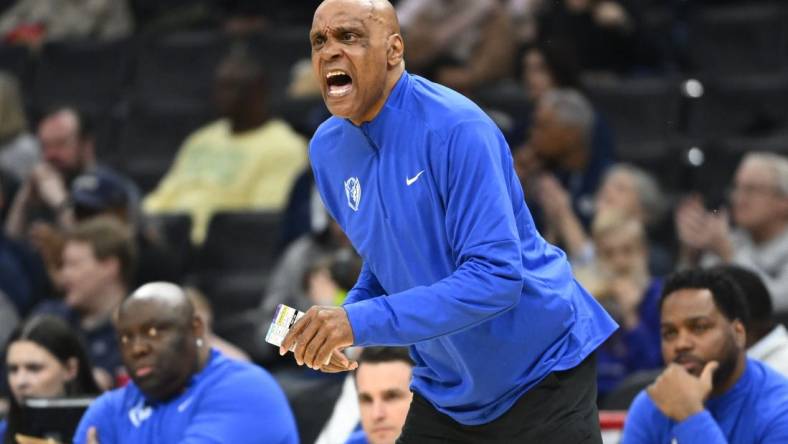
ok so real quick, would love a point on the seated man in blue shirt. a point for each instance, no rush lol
(710, 391)
(182, 391)
(384, 396)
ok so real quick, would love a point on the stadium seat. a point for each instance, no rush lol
(279, 49)
(89, 75)
(179, 68)
(643, 112)
(234, 261)
(751, 106)
(175, 229)
(16, 60)
(741, 39)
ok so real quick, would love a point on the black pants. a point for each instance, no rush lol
(560, 409)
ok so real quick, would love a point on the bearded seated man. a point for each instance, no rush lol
(710, 391)
(182, 391)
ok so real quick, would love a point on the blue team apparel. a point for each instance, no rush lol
(227, 402)
(358, 437)
(754, 411)
(428, 196)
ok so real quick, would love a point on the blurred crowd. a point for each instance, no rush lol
(148, 140)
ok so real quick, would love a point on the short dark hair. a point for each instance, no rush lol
(728, 296)
(756, 295)
(380, 354)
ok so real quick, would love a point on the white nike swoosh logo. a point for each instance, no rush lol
(185, 404)
(410, 180)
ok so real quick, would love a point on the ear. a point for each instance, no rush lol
(198, 327)
(396, 50)
(72, 368)
(740, 334)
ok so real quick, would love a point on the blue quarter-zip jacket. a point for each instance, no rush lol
(453, 265)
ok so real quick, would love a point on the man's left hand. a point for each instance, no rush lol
(93, 436)
(320, 332)
(679, 394)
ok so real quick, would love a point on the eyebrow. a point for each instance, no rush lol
(352, 25)
(688, 320)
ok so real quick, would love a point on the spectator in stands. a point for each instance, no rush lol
(23, 277)
(605, 35)
(246, 160)
(329, 279)
(19, 150)
(767, 341)
(182, 390)
(710, 391)
(548, 66)
(759, 203)
(619, 278)
(627, 190)
(103, 193)
(33, 22)
(44, 359)
(383, 384)
(98, 261)
(461, 44)
(560, 151)
(203, 309)
(68, 150)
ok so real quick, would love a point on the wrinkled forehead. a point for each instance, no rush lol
(344, 14)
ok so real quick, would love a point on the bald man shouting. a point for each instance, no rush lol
(182, 391)
(422, 182)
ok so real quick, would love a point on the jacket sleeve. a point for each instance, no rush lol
(480, 224)
(700, 428)
(367, 286)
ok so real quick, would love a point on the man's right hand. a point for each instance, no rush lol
(49, 185)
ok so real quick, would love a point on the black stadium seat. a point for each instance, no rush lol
(179, 68)
(643, 112)
(742, 106)
(175, 229)
(241, 241)
(86, 74)
(234, 262)
(742, 39)
(15, 60)
(279, 49)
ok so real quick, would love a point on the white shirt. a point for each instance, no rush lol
(772, 349)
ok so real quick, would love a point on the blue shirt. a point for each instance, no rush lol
(227, 402)
(755, 410)
(453, 264)
(358, 437)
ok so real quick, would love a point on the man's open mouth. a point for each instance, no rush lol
(339, 83)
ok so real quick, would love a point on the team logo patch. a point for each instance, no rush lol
(353, 192)
(139, 413)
